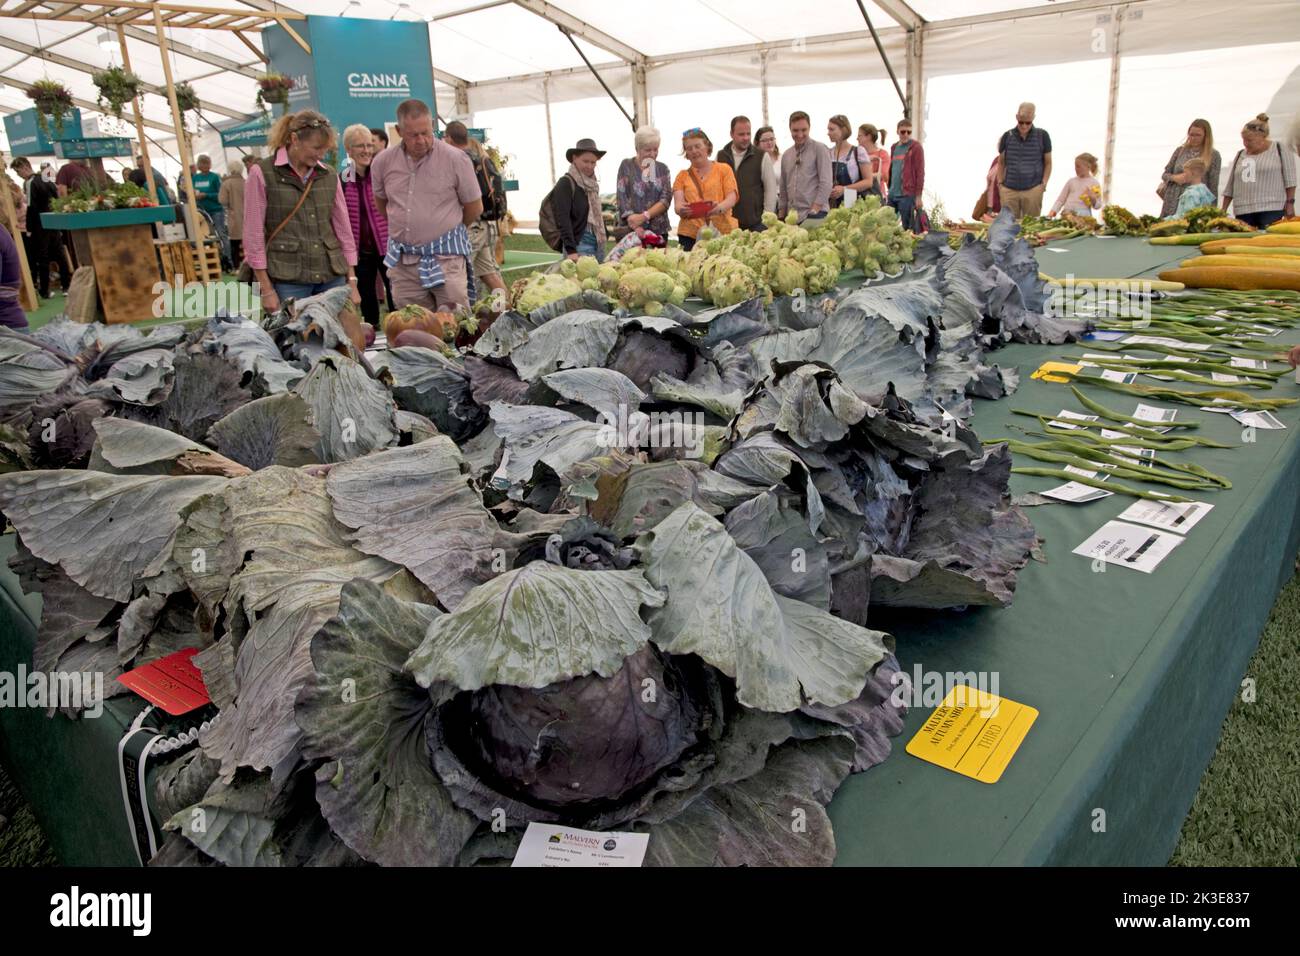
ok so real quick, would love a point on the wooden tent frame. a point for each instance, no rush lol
(141, 14)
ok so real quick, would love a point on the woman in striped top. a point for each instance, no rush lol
(1262, 181)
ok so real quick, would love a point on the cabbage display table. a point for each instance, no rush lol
(119, 244)
(1132, 673)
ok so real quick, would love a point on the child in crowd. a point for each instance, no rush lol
(1081, 194)
(1195, 192)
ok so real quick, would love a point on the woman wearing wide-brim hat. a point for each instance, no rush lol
(575, 201)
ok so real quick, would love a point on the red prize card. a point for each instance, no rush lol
(172, 683)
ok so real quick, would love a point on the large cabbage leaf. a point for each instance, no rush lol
(780, 651)
(365, 717)
(435, 386)
(577, 340)
(275, 430)
(354, 414)
(416, 507)
(536, 625)
(105, 531)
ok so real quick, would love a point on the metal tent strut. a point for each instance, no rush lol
(884, 58)
(599, 79)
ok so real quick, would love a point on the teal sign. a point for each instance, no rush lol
(474, 133)
(26, 138)
(251, 132)
(93, 147)
(358, 71)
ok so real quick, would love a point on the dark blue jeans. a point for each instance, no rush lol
(905, 206)
(1261, 220)
(300, 290)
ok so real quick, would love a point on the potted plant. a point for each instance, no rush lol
(186, 98)
(272, 88)
(53, 100)
(117, 87)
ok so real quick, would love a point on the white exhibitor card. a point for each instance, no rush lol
(545, 844)
(1129, 546)
(1152, 413)
(1177, 516)
(1265, 420)
(1076, 492)
(1060, 420)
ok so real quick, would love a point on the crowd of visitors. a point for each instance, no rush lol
(418, 221)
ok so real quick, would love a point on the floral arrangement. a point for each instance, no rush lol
(1092, 197)
(273, 88)
(117, 87)
(94, 197)
(53, 101)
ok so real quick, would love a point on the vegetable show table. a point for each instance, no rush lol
(1132, 674)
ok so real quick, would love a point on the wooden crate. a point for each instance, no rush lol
(177, 261)
(207, 262)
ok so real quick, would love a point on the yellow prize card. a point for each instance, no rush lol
(973, 733)
(1051, 371)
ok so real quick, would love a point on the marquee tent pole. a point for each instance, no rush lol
(1112, 104)
(182, 147)
(139, 119)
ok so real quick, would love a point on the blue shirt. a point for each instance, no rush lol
(1193, 196)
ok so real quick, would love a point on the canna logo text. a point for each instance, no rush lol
(374, 85)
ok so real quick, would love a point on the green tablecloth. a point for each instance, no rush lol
(1099, 257)
(1132, 673)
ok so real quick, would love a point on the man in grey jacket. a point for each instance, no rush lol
(805, 173)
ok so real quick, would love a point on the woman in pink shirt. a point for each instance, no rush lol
(871, 139)
(297, 236)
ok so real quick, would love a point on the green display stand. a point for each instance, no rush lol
(108, 217)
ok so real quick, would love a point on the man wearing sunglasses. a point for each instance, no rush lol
(906, 176)
(1024, 165)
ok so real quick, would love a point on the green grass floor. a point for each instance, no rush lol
(1246, 811)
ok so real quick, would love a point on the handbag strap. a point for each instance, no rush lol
(294, 211)
(696, 179)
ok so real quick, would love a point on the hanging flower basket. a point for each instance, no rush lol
(272, 88)
(117, 87)
(186, 98)
(53, 101)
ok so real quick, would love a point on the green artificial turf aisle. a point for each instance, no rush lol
(21, 840)
(1247, 810)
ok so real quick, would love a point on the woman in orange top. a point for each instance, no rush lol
(704, 181)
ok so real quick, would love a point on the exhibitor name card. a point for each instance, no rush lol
(1129, 546)
(973, 733)
(545, 844)
(1179, 517)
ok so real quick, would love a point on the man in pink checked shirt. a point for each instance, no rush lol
(297, 236)
(427, 191)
